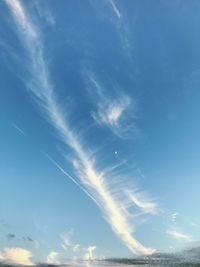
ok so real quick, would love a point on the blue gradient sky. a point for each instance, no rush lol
(125, 76)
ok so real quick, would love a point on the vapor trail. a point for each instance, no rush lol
(42, 88)
(71, 178)
(115, 9)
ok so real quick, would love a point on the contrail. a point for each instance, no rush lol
(70, 177)
(42, 88)
(115, 9)
(18, 129)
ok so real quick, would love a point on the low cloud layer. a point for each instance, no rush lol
(16, 256)
(53, 258)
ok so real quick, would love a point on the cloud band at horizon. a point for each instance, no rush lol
(40, 85)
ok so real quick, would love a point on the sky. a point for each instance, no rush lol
(99, 107)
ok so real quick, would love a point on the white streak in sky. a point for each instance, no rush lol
(18, 129)
(146, 205)
(178, 234)
(71, 178)
(42, 88)
(126, 37)
(44, 13)
(115, 9)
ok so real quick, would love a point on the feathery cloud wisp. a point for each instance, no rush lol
(17, 256)
(117, 112)
(178, 234)
(41, 87)
(174, 217)
(112, 114)
(115, 9)
(68, 243)
(146, 205)
(18, 129)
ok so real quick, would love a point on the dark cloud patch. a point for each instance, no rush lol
(11, 237)
(27, 239)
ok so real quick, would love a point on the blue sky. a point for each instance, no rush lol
(99, 128)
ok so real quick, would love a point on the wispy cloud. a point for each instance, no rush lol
(174, 217)
(17, 256)
(178, 235)
(76, 248)
(66, 238)
(115, 8)
(112, 205)
(18, 129)
(114, 110)
(143, 203)
(67, 242)
(70, 177)
(45, 13)
(122, 27)
(53, 258)
(111, 114)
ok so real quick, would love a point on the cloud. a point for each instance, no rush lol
(143, 203)
(113, 113)
(115, 9)
(89, 255)
(178, 234)
(173, 230)
(16, 256)
(66, 238)
(174, 217)
(11, 237)
(53, 258)
(122, 27)
(45, 13)
(27, 238)
(22, 20)
(94, 180)
(68, 243)
(18, 129)
(76, 248)
(70, 177)
(114, 110)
